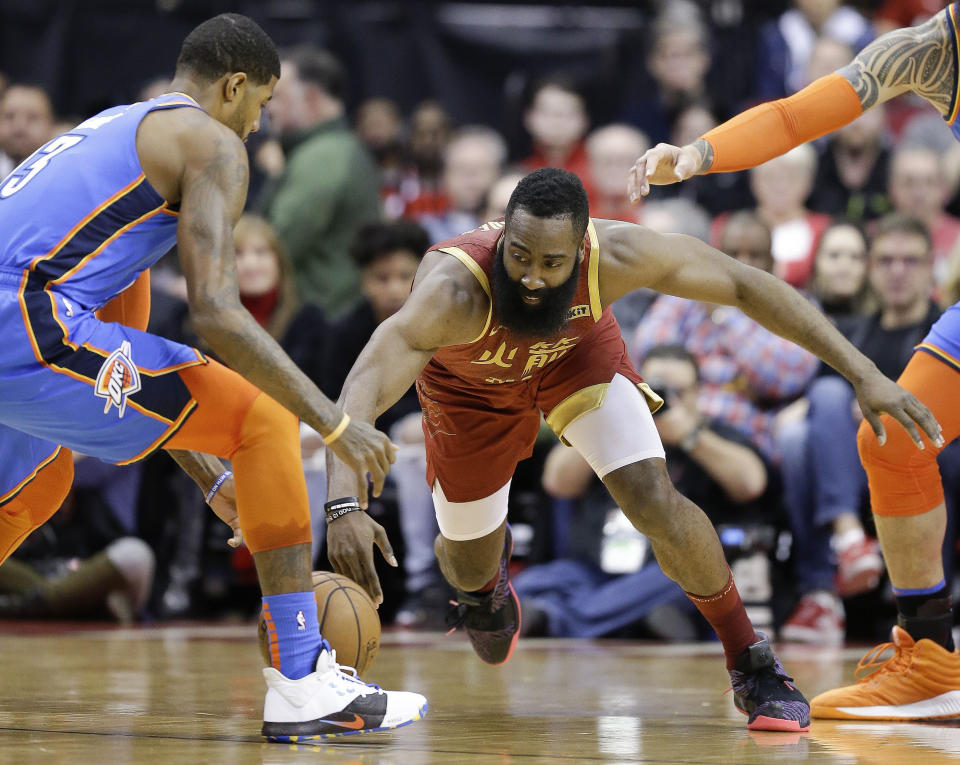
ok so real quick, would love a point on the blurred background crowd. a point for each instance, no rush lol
(397, 125)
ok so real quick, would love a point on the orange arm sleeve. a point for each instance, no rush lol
(768, 130)
(132, 306)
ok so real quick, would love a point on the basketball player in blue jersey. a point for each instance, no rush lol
(83, 218)
(921, 680)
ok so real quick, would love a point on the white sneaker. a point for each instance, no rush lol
(333, 701)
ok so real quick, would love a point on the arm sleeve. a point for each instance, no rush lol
(771, 129)
(132, 306)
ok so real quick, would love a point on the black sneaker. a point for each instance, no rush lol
(491, 619)
(764, 692)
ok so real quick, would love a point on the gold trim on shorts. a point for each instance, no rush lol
(585, 400)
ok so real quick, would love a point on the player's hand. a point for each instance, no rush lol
(350, 541)
(879, 395)
(660, 166)
(224, 504)
(367, 451)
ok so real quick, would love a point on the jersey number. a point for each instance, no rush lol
(26, 172)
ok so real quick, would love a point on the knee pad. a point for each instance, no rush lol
(903, 479)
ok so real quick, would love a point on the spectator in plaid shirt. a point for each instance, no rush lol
(748, 373)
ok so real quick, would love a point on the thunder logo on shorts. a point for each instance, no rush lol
(117, 379)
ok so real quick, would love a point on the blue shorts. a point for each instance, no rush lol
(67, 378)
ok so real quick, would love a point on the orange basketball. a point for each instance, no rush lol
(348, 621)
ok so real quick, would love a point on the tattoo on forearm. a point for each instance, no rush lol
(215, 199)
(920, 59)
(706, 155)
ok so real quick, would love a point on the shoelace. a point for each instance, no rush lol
(455, 616)
(349, 673)
(870, 665)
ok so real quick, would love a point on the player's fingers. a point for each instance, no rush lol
(383, 542)
(370, 581)
(871, 416)
(633, 188)
(909, 425)
(335, 562)
(377, 475)
(392, 450)
(927, 422)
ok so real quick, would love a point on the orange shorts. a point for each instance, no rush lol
(905, 480)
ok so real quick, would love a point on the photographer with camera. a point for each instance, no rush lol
(607, 582)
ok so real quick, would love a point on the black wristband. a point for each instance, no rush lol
(337, 508)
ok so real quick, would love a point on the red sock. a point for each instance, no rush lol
(726, 614)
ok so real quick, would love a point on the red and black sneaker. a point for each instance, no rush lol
(491, 619)
(764, 692)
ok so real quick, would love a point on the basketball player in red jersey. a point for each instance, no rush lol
(513, 319)
(921, 680)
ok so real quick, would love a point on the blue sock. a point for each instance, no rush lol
(293, 632)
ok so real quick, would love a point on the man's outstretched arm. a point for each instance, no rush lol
(214, 188)
(686, 267)
(439, 312)
(919, 59)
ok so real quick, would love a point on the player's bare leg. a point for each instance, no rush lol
(682, 537)
(487, 606)
(911, 547)
(689, 552)
(921, 679)
(284, 569)
(470, 565)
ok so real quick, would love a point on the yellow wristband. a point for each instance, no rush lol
(338, 431)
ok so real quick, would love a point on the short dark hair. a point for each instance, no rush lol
(375, 240)
(559, 81)
(899, 223)
(674, 352)
(230, 43)
(319, 67)
(552, 193)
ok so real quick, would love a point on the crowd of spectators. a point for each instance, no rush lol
(345, 201)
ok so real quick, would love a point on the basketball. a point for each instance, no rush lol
(348, 621)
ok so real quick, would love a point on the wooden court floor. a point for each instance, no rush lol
(181, 695)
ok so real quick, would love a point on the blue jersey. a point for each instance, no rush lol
(80, 223)
(80, 214)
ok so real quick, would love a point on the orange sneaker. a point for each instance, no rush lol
(921, 681)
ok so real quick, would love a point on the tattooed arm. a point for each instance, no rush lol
(213, 191)
(919, 59)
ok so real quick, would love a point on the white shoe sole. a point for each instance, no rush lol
(943, 706)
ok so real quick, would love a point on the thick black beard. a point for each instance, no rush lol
(546, 318)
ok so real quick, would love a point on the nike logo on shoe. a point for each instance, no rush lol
(356, 723)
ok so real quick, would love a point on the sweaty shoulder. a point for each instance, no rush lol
(921, 59)
(172, 143)
(448, 301)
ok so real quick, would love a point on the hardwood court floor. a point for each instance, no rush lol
(180, 695)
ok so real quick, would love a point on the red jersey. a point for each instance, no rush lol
(482, 400)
